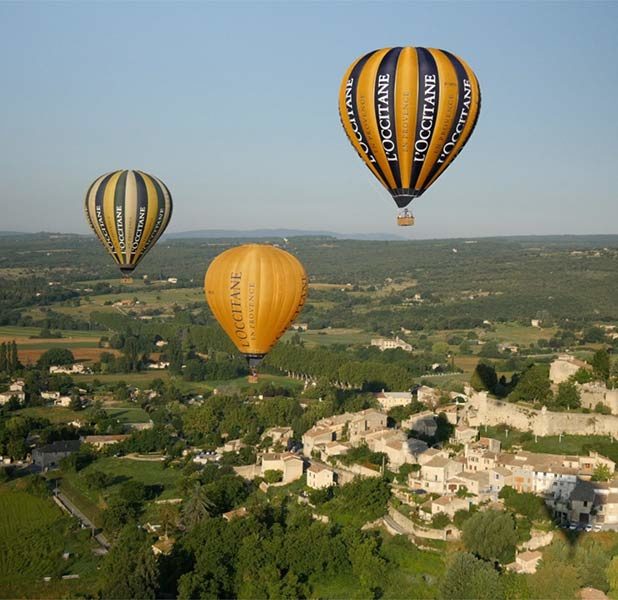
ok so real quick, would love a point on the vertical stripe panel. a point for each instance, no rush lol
(348, 112)
(428, 98)
(386, 116)
(366, 106)
(445, 113)
(130, 214)
(102, 220)
(406, 94)
(470, 111)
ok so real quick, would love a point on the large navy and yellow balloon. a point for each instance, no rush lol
(408, 113)
(128, 211)
(255, 291)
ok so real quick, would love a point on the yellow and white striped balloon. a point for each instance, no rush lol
(128, 211)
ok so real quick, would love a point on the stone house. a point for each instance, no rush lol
(279, 435)
(596, 392)
(449, 505)
(427, 395)
(291, 466)
(564, 367)
(423, 422)
(100, 441)
(350, 427)
(50, 455)
(528, 561)
(464, 434)
(435, 473)
(320, 476)
(391, 344)
(6, 397)
(388, 400)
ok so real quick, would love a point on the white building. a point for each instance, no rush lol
(75, 369)
(564, 367)
(6, 396)
(388, 400)
(320, 477)
(391, 344)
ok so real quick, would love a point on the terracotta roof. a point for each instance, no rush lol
(528, 555)
(315, 468)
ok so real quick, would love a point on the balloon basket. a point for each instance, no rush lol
(126, 280)
(405, 220)
(253, 378)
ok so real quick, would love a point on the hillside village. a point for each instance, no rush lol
(441, 460)
(385, 423)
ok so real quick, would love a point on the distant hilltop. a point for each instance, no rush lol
(280, 233)
(240, 234)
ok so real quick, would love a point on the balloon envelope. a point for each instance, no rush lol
(255, 291)
(408, 112)
(128, 211)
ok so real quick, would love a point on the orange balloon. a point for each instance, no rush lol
(255, 292)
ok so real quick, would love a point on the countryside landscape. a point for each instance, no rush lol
(439, 407)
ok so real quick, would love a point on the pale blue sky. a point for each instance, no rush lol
(234, 106)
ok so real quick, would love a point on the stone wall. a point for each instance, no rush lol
(449, 533)
(483, 410)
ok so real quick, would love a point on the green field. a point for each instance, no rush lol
(54, 414)
(67, 334)
(34, 533)
(578, 445)
(519, 334)
(144, 381)
(128, 413)
(150, 473)
(325, 337)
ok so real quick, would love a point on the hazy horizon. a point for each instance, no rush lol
(234, 106)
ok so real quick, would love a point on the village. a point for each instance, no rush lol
(441, 461)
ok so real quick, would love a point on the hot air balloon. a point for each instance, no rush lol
(255, 291)
(128, 211)
(408, 112)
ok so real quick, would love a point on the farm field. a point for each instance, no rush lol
(11, 332)
(55, 414)
(83, 344)
(144, 381)
(519, 334)
(325, 337)
(127, 413)
(148, 472)
(34, 533)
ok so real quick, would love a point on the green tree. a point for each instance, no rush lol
(469, 577)
(169, 517)
(582, 376)
(197, 506)
(4, 367)
(533, 386)
(56, 357)
(554, 581)
(129, 569)
(76, 402)
(601, 473)
(14, 358)
(273, 476)
(97, 480)
(568, 396)
(440, 520)
(612, 576)
(600, 364)
(491, 535)
(592, 562)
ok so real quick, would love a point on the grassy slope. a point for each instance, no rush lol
(34, 533)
